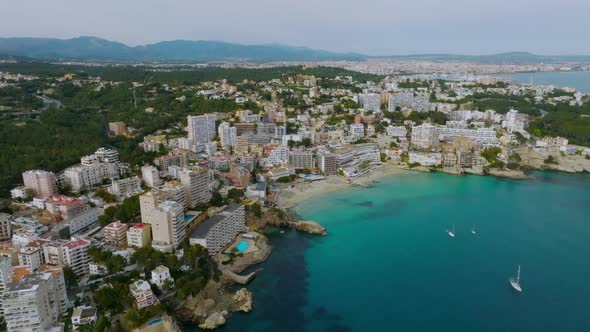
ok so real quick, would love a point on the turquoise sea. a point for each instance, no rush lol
(387, 263)
(574, 79)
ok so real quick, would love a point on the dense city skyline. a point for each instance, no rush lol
(385, 28)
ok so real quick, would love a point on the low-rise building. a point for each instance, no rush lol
(143, 296)
(115, 234)
(139, 235)
(83, 315)
(161, 277)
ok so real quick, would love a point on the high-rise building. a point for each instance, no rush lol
(218, 231)
(166, 220)
(301, 159)
(227, 134)
(32, 304)
(5, 227)
(201, 128)
(41, 182)
(370, 101)
(151, 176)
(196, 185)
(425, 136)
(327, 163)
(5, 277)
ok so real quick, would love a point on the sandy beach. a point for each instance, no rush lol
(299, 191)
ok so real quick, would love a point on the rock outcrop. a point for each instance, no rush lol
(311, 227)
(243, 299)
(214, 320)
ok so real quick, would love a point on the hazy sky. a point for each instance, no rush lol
(365, 26)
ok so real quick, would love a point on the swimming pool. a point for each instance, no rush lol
(242, 246)
(154, 322)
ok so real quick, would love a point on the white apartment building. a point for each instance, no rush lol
(227, 134)
(83, 219)
(515, 122)
(42, 183)
(425, 158)
(105, 155)
(161, 276)
(126, 187)
(357, 131)
(75, 255)
(72, 253)
(486, 136)
(88, 176)
(419, 103)
(397, 131)
(350, 157)
(371, 102)
(151, 176)
(218, 231)
(31, 256)
(196, 185)
(32, 304)
(201, 128)
(6, 271)
(425, 136)
(291, 137)
(278, 156)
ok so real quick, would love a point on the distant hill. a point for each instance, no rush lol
(92, 48)
(185, 51)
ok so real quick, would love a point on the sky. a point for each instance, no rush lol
(373, 27)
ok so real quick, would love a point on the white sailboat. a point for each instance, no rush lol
(473, 231)
(451, 232)
(515, 283)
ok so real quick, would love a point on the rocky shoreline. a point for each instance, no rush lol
(212, 307)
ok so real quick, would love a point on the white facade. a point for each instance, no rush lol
(126, 187)
(357, 131)
(151, 176)
(201, 128)
(88, 176)
(397, 131)
(161, 275)
(227, 134)
(5, 277)
(31, 257)
(218, 231)
(425, 136)
(196, 184)
(371, 102)
(85, 218)
(278, 156)
(424, 158)
(32, 303)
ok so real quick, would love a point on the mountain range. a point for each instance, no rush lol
(185, 51)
